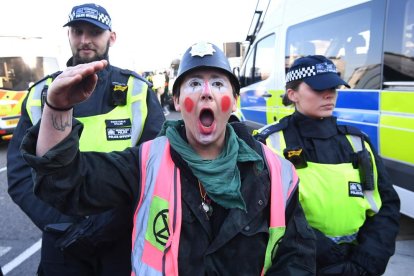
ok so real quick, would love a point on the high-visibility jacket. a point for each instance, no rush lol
(325, 192)
(158, 217)
(113, 131)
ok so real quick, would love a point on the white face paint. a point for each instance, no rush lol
(206, 101)
(216, 84)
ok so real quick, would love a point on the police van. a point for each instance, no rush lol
(372, 46)
(23, 61)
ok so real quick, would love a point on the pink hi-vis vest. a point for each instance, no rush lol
(157, 219)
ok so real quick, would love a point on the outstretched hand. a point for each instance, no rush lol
(74, 85)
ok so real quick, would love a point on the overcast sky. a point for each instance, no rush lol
(150, 34)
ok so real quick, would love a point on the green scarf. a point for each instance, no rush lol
(221, 176)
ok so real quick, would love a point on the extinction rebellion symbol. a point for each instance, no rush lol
(160, 227)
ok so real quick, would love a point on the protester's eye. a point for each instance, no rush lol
(195, 83)
(217, 84)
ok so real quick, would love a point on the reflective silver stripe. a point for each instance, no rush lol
(344, 239)
(286, 172)
(155, 157)
(36, 110)
(274, 140)
(136, 111)
(369, 195)
(356, 143)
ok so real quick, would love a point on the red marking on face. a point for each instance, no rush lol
(206, 86)
(188, 104)
(225, 103)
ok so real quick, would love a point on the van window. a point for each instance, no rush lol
(399, 42)
(352, 38)
(18, 73)
(260, 63)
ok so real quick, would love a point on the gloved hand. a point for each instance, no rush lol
(346, 268)
(329, 252)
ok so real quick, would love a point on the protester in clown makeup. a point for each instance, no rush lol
(210, 199)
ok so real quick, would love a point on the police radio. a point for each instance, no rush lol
(366, 171)
(119, 93)
(296, 157)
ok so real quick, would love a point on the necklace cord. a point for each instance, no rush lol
(203, 196)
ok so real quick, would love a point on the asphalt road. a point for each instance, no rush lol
(20, 239)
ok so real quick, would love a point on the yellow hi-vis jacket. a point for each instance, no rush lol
(113, 131)
(324, 193)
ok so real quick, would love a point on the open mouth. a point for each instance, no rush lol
(206, 121)
(206, 117)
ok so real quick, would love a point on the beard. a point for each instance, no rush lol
(79, 60)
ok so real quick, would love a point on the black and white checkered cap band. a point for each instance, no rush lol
(91, 13)
(301, 73)
(309, 71)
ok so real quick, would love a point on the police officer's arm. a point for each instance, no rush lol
(376, 238)
(71, 87)
(82, 183)
(20, 182)
(297, 250)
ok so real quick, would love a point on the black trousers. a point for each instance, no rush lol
(104, 260)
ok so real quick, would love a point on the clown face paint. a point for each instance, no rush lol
(206, 101)
(188, 104)
(225, 103)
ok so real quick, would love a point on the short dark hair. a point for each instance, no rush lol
(294, 85)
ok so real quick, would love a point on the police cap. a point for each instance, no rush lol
(316, 71)
(91, 13)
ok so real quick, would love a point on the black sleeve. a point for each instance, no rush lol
(297, 250)
(155, 118)
(20, 183)
(376, 237)
(82, 183)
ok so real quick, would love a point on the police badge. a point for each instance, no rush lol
(202, 49)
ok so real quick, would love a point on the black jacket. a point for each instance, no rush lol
(231, 242)
(323, 141)
(107, 226)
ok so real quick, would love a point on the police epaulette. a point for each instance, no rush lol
(351, 130)
(53, 76)
(270, 129)
(135, 74)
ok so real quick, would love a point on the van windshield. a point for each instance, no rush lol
(19, 73)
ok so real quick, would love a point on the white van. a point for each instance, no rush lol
(372, 45)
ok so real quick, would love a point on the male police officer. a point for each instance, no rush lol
(122, 112)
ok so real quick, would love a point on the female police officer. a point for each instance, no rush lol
(210, 199)
(345, 191)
